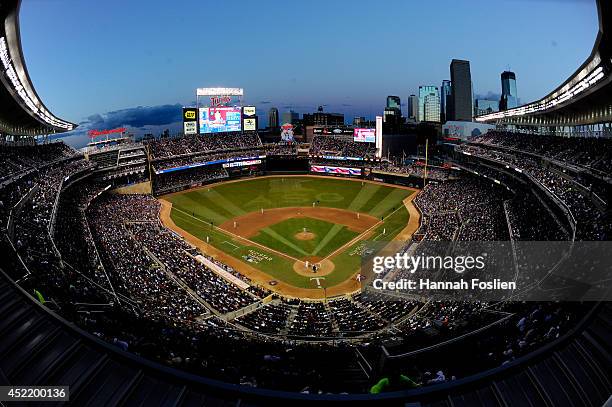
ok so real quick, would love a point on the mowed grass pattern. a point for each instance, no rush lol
(194, 210)
(292, 246)
(226, 201)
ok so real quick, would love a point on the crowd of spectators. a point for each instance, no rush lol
(590, 152)
(270, 318)
(72, 234)
(592, 222)
(132, 269)
(390, 309)
(202, 143)
(16, 159)
(530, 221)
(311, 319)
(336, 146)
(176, 180)
(170, 306)
(157, 260)
(467, 209)
(196, 159)
(350, 317)
(415, 169)
(281, 148)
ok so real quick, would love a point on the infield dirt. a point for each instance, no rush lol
(249, 225)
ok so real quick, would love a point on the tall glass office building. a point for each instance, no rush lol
(393, 102)
(445, 94)
(461, 94)
(509, 98)
(429, 104)
(413, 107)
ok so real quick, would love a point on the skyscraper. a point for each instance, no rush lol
(273, 117)
(461, 90)
(393, 102)
(359, 121)
(509, 97)
(429, 104)
(290, 117)
(413, 108)
(445, 95)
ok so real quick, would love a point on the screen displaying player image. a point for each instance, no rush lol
(219, 119)
(364, 135)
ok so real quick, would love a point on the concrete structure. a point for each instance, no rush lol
(581, 105)
(22, 111)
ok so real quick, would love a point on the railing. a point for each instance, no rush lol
(440, 345)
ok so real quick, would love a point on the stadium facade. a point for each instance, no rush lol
(581, 105)
(23, 113)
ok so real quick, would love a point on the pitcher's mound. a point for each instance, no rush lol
(305, 236)
(324, 267)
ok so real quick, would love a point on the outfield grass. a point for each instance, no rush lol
(194, 210)
(226, 201)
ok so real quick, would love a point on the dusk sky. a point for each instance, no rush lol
(88, 58)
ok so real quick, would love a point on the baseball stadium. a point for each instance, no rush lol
(228, 265)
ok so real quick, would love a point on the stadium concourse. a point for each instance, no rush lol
(105, 262)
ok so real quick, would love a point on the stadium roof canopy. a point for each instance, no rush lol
(584, 98)
(22, 113)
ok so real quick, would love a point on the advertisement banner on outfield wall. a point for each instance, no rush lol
(325, 169)
(241, 163)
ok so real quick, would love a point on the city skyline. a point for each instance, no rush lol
(120, 79)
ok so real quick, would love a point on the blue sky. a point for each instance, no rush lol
(87, 58)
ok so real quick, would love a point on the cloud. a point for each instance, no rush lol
(137, 117)
(489, 96)
(138, 120)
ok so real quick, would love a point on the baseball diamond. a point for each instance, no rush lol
(276, 228)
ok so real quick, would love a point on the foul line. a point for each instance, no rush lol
(341, 248)
(361, 236)
(240, 237)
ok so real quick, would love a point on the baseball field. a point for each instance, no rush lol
(295, 235)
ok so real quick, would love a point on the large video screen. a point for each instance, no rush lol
(364, 135)
(219, 119)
